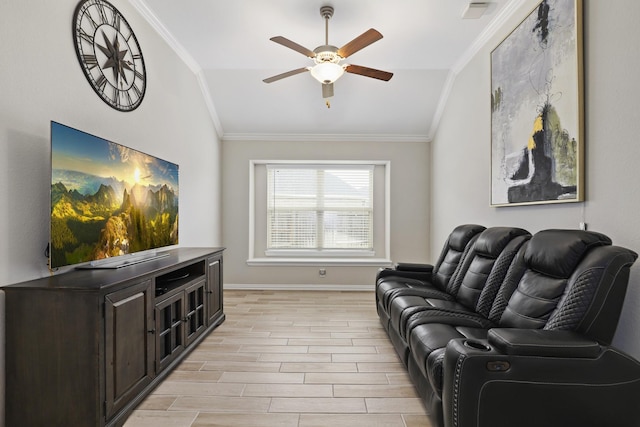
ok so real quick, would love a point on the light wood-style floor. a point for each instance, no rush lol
(289, 358)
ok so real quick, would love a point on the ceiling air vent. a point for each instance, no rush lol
(475, 10)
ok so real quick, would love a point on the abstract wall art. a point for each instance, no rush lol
(537, 110)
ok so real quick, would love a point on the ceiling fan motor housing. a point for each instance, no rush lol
(326, 53)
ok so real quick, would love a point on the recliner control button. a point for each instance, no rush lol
(498, 366)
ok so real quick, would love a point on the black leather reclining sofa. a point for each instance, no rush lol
(510, 329)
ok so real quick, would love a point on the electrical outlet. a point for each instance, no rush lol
(583, 226)
(322, 272)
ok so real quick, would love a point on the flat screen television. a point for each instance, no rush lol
(111, 205)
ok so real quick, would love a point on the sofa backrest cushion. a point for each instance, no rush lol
(541, 276)
(458, 243)
(499, 273)
(556, 253)
(481, 267)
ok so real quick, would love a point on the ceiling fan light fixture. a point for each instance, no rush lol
(327, 72)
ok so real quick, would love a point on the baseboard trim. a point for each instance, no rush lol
(297, 287)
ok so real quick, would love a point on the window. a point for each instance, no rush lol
(320, 208)
(319, 212)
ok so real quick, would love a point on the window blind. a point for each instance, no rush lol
(320, 207)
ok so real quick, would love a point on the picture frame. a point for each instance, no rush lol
(537, 109)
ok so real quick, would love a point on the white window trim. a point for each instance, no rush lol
(363, 259)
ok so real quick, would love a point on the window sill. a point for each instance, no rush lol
(312, 262)
(324, 253)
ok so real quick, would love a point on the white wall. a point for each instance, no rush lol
(409, 207)
(461, 148)
(41, 80)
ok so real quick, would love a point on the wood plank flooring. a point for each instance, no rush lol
(289, 359)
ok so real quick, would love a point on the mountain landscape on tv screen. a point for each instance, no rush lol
(94, 217)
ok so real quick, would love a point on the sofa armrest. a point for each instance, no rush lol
(535, 342)
(484, 386)
(420, 268)
(404, 270)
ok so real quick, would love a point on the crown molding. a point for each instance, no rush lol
(208, 100)
(308, 137)
(442, 103)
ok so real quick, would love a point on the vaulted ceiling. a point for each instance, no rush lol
(226, 43)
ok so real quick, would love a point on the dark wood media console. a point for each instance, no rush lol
(84, 348)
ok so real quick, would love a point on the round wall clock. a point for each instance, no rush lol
(109, 54)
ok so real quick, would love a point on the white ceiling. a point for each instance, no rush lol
(227, 45)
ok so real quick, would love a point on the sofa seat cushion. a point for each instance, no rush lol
(439, 306)
(392, 283)
(413, 291)
(405, 306)
(428, 343)
(461, 321)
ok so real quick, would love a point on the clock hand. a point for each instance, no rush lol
(115, 57)
(108, 51)
(118, 56)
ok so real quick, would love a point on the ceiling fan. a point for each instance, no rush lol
(327, 68)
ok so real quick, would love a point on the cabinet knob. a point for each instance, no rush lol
(209, 292)
(151, 331)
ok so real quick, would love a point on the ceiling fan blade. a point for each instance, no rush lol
(293, 45)
(369, 72)
(287, 74)
(360, 42)
(327, 90)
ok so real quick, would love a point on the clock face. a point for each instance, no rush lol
(109, 54)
